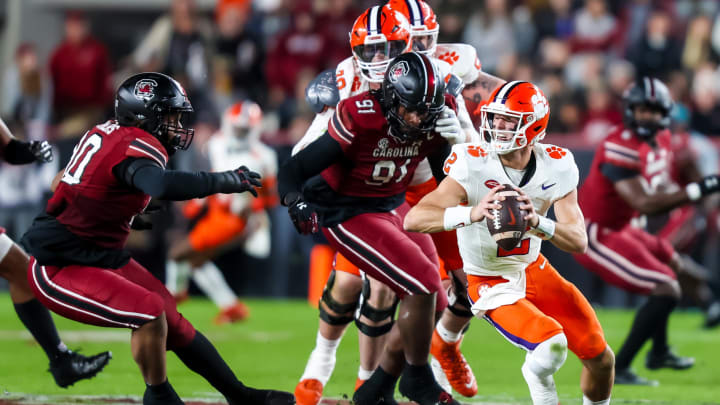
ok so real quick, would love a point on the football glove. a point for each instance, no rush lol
(448, 126)
(709, 184)
(303, 216)
(238, 181)
(42, 151)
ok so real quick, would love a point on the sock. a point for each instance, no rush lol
(380, 382)
(654, 312)
(586, 401)
(321, 363)
(177, 276)
(659, 338)
(201, 357)
(364, 374)
(418, 383)
(163, 391)
(38, 321)
(211, 281)
(446, 335)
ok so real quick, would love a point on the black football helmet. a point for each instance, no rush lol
(652, 93)
(412, 81)
(143, 101)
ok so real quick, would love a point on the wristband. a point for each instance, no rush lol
(693, 191)
(456, 217)
(545, 228)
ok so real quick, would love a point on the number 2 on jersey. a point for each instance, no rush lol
(82, 154)
(522, 249)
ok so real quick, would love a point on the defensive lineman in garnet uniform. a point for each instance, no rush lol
(629, 175)
(79, 268)
(365, 161)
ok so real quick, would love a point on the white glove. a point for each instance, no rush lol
(448, 126)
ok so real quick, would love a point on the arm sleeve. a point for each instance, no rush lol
(309, 162)
(147, 176)
(437, 160)
(616, 173)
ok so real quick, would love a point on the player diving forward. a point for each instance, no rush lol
(79, 267)
(374, 44)
(518, 291)
(66, 366)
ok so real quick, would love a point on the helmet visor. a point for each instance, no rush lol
(424, 43)
(379, 51)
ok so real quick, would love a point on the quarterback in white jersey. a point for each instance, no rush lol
(224, 221)
(518, 291)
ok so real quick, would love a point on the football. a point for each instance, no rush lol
(507, 225)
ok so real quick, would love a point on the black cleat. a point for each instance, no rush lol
(628, 377)
(279, 398)
(368, 396)
(162, 394)
(668, 360)
(423, 389)
(712, 316)
(70, 367)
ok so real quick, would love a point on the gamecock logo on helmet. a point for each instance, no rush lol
(145, 89)
(399, 69)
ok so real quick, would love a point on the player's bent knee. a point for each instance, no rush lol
(180, 331)
(548, 356)
(373, 321)
(668, 289)
(592, 345)
(330, 310)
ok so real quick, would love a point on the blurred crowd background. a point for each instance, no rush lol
(62, 61)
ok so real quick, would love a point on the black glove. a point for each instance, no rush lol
(42, 151)
(709, 184)
(18, 152)
(303, 216)
(238, 181)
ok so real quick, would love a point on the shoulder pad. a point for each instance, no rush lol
(322, 91)
(454, 86)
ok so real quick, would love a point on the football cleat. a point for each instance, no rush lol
(234, 313)
(169, 397)
(358, 382)
(274, 397)
(308, 392)
(424, 390)
(439, 374)
(70, 367)
(453, 363)
(668, 360)
(628, 377)
(712, 316)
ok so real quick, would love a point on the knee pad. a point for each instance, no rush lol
(458, 301)
(548, 356)
(335, 306)
(374, 314)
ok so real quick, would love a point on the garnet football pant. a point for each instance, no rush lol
(445, 242)
(631, 258)
(127, 297)
(376, 242)
(551, 305)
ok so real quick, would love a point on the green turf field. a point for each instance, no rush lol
(270, 350)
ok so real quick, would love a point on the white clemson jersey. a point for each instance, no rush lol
(555, 175)
(225, 152)
(349, 83)
(462, 59)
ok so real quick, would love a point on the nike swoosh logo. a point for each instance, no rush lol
(544, 187)
(471, 383)
(512, 218)
(542, 266)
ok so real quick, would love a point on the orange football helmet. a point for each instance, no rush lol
(243, 121)
(423, 24)
(517, 102)
(378, 35)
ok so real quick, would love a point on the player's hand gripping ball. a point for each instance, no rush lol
(507, 225)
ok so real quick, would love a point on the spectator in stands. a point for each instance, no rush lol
(601, 114)
(338, 17)
(554, 19)
(452, 15)
(302, 47)
(490, 31)
(697, 48)
(619, 75)
(240, 54)
(705, 116)
(80, 72)
(594, 28)
(658, 52)
(26, 98)
(181, 44)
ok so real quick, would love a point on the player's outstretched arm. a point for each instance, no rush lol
(148, 177)
(568, 232)
(441, 211)
(17, 152)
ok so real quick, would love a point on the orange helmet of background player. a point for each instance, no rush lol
(378, 35)
(423, 24)
(516, 100)
(243, 120)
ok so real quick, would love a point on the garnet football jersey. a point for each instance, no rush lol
(89, 200)
(598, 199)
(381, 165)
(478, 171)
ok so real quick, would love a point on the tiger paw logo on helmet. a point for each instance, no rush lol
(399, 69)
(145, 89)
(540, 106)
(555, 152)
